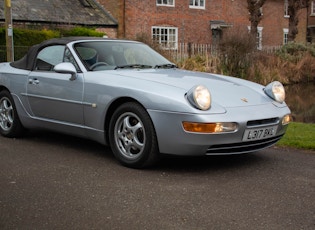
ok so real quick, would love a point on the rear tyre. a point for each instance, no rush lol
(132, 136)
(10, 125)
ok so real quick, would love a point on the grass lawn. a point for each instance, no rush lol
(299, 135)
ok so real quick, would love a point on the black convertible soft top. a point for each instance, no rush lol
(27, 62)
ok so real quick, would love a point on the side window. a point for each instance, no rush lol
(50, 56)
(68, 57)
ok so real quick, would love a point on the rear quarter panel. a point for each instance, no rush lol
(15, 81)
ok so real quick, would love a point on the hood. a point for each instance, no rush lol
(225, 91)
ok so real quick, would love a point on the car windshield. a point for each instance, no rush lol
(111, 55)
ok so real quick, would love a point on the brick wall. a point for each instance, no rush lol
(138, 16)
(110, 32)
(193, 24)
(116, 9)
(274, 22)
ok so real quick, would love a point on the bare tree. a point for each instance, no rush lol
(293, 7)
(255, 14)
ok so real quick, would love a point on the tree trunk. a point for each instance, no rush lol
(255, 15)
(293, 7)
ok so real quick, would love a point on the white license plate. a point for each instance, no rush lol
(259, 133)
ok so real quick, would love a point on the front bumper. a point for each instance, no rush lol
(172, 138)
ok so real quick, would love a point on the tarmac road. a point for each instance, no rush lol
(53, 181)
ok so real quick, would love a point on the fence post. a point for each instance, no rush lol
(189, 49)
(9, 30)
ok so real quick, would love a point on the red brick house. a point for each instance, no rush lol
(169, 21)
(200, 21)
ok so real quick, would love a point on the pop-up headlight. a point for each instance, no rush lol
(275, 90)
(199, 97)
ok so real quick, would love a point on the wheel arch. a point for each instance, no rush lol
(144, 143)
(12, 126)
(111, 109)
(2, 88)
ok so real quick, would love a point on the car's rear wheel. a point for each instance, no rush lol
(10, 125)
(132, 136)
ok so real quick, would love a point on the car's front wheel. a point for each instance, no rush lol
(10, 125)
(132, 136)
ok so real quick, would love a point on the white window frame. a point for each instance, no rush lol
(259, 37)
(165, 3)
(285, 36)
(166, 36)
(286, 10)
(313, 8)
(192, 4)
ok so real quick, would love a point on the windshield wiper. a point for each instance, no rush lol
(136, 66)
(165, 66)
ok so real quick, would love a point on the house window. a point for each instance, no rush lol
(165, 36)
(285, 36)
(313, 8)
(165, 2)
(286, 9)
(200, 4)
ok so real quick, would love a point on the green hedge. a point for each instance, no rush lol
(28, 37)
(31, 37)
(80, 31)
(24, 38)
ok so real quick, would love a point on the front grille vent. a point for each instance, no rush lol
(243, 147)
(269, 121)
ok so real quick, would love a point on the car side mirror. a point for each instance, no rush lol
(66, 67)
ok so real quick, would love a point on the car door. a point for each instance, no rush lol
(54, 96)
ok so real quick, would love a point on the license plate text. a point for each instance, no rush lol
(259, 133)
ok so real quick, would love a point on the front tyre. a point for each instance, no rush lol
(132, 136)
(10, 125)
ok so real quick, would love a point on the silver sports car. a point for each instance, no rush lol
(126, 95)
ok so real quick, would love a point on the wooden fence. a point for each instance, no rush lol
(187, 50)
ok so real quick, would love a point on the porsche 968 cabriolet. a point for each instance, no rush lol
(126, 95)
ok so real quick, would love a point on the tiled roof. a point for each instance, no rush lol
(79, 12)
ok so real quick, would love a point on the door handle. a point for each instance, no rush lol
(34, 81)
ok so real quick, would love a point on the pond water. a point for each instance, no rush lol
(301, 100)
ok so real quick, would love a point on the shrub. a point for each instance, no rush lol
(28, 37)
(201, 63)
(24, 38)
(81, 31)
(294, 52)
(236, 49)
